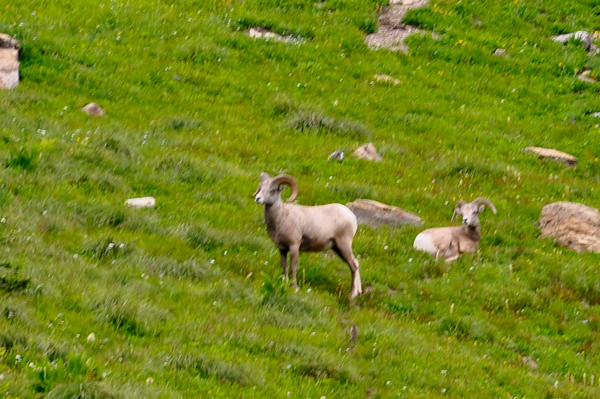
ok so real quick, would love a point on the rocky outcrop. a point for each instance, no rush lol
(582, 36)
(9, 62)
(392, 31)
(574, 226)
(375, 214)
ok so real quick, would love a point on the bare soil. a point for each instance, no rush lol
(392, 31)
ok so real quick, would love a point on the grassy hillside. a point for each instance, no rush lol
(185, 300)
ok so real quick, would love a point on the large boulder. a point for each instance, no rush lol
(9, 62)
(375, 214)
(574, 226)
(549, 153)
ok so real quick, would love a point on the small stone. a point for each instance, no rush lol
(584, 76)
(337, 155)
(93, 109)
(368, 152)
(530, 362)
(354, 333)
(500, 52)
(258, 32)
(387, 79)
(144, 202)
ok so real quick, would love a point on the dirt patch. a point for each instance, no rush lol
(392, 31)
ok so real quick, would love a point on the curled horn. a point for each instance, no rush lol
(485, 201)
(459, 205)
(290, 181)
(263, 177)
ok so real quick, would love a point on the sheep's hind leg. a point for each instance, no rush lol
(294, 254)
(284, 254)
(345, 252)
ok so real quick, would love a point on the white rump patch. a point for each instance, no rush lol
(424, 243)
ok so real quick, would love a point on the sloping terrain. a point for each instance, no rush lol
(185, 300)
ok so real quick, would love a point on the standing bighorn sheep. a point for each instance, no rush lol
(296, 228)
(451, 242)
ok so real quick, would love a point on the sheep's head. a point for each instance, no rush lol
(470, 211)
(269, 189)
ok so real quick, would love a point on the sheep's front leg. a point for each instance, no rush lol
(284, 254)
(452, 253)
(294, 254)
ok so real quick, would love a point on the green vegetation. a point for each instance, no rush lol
(184, 300)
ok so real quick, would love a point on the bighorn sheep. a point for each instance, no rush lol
(451, 242)
(296, 228)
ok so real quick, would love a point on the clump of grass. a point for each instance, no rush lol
(99, 215)
(207, 238)
(9, 340)
(6, 196)
(51, 225)
(367, 24)
(464, 328)
(319, 366)
(183, 123)
(202, 237)
(275, 296)
(53, 350)
(83, 390)
(10, 280)
(106, 248)
(130, 320)
(24, 158)
(435, 268)
(424, 18)
(305, 120)
(207, 366)
(192, 269)
(118, 147)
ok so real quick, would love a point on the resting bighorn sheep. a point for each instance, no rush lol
(451, 242)
(296, 228)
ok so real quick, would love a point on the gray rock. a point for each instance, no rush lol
(375, 214)
(337, 155)
(574, 226)
(9, 62)
(143, 202)
(582, 36)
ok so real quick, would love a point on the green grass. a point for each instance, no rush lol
(185, 299)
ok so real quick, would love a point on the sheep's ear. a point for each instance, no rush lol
(481, 208)
(458, 209)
